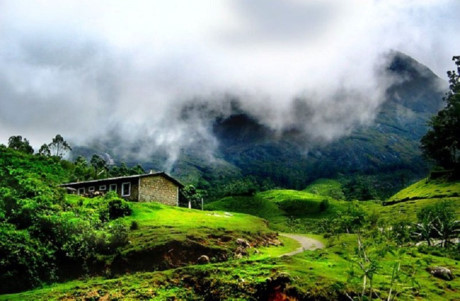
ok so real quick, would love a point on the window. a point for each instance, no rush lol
(102, 187)
(91, 189)
(81, 190)
(126, 189)
(113, 187)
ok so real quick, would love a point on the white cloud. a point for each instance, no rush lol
(80, 68)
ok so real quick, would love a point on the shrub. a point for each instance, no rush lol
(438, 221)
(118, 208)
(24, 263)
(118, 235)
(401, 231)
(134, 225)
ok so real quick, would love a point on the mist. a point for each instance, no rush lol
(159, 73)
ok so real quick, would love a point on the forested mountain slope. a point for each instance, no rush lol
(387, 150)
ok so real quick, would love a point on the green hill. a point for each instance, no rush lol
(327, 187)
(300, 211)
(286, 210)
(407, 202)
(427, 189)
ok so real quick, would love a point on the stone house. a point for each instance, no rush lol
(158, 187)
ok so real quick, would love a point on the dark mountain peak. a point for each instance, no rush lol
(240, 128)
(416, 87)
(402, 64)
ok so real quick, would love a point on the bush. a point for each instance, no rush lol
(118, 235)
(118, 208)
(401, 231)
(438, 221)
(25, 262)
(44, 236)
(134, 225)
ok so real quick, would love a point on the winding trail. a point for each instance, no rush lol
(306, 243)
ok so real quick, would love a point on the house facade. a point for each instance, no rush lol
(153, 187)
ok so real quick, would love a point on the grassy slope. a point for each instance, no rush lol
(165, 223)
(326, 187)
(428, 189)
(317, 273)
(407, 202)
(178, 224)
(285, 208)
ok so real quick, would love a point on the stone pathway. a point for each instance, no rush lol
(306, 243)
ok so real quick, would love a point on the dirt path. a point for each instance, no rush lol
(306, 243)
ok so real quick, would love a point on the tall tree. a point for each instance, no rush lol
(442, 141)
(137, 170)
(58, 146)
(82, 171)
(100, 166)
(20, 144)
(44, 150)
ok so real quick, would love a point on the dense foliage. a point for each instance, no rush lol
(44, 235)
(442, 142)
(99, 168)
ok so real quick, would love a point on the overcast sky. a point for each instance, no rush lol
(82, 68)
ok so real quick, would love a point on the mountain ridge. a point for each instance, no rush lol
(247, 148)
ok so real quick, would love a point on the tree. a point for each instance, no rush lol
(99, 164)
(137, 170)
(20, 144)
(193, 196)
(438, 221)
(44, 150)
(58, 146)
(123, 169)
(81, 171)
(351, 219)
(442, 142)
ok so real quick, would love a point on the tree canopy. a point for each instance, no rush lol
(20, 144)
(58, 146)
(442, 141)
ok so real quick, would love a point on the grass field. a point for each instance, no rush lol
(283, 208)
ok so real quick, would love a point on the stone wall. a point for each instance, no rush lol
(159, 189)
